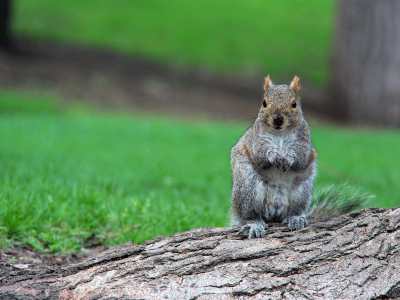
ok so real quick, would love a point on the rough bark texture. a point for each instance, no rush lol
(355, 256)
(366, 63)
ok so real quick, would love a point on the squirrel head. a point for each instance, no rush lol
(280, 110)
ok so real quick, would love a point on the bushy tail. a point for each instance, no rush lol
(336, 200)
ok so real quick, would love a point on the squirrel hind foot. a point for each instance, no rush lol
(295, 223)
(255, 230)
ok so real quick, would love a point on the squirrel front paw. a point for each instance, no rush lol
(296, 222)
(254, 229)
(288, 159)
(274, 157)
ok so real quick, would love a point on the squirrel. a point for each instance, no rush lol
(273, 164)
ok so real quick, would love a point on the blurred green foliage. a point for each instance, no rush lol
(70, 177)
(236, 37)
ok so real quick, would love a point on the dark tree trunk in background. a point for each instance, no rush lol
(5, 39)
(366, 63)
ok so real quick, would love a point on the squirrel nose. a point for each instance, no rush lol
(278, 120)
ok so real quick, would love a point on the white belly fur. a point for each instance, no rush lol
(275, 179)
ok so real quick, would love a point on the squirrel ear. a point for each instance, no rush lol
(267, 83)
(295, 85)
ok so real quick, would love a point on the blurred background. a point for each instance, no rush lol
(117, 117)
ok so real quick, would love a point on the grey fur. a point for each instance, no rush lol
(333, 201)
(273, 166)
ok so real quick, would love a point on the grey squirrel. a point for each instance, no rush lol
(273, 167)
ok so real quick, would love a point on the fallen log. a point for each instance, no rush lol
(354, 256)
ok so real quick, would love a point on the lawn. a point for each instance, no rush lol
(234, 37)
(71, 176)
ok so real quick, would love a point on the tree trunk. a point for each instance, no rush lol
(355, 256)
(5, 24)
(365, 83)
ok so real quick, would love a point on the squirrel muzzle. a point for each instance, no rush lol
(278, 121)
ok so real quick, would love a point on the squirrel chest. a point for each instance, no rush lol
(270, 174)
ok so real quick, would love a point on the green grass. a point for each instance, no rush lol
(69, 177)
(281, 38)
(365, 158)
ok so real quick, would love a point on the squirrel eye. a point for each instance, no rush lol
(294, 104)
(264, 103)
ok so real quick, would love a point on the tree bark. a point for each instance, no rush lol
(366, 63)
(355, 256)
